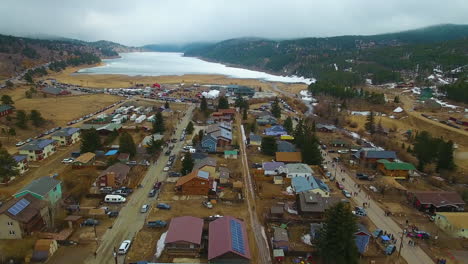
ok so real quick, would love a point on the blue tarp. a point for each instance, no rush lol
(385, 238)
(111, 152)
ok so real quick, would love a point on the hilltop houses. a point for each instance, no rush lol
(38, 149)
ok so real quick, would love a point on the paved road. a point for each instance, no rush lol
(130, 220)
(412, 254)
(258, 230)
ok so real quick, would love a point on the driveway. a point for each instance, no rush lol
(412, 254)
(130, 220)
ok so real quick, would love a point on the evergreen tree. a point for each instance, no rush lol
(90, 141)
(7, 165)
(397, 99)
(276, 109)
(311, 154)
(253, 126)
(223, 103)
(189, 129)
(187, 164)
(445, 156)
(201, 134)
(36, 118)
(239, 102)
(423, 149)
(269, 146)
(27, 77)
(244, 114)
(21, 119)
(158, 124)
(336, 242)
(288, 125)
(299, 134)
(166, 105)
(126, 144)
(9, 84)
(370, 123)
(6, 100)
(204, 105)
(154, 145)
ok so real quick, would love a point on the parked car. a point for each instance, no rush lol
(144, 208)
(132, 163)
(419, 234)
(157, 223)
(359, 211)
(168, 153)
(120, 192)
(207, 204)
(339, 185)
(113, 213)
(166, 169)
(157, 185)
(68, 160)
(124, 247)
(20, 143)
(346, 193)
(174, 174)
(90, 222)
(106, 189)
(152, 193)
(163, 206)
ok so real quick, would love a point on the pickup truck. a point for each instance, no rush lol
(157, 223)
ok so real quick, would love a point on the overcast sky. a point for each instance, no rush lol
(139, 22)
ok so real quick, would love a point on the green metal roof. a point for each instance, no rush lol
(398, 166)
(230, 152)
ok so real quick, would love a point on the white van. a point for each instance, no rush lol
(113, 198)
(123, 249)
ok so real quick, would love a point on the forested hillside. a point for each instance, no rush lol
(382, 58)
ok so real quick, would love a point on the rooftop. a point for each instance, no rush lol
(299, 168)
(19, 158)
(85, 157)
(439, 199)
(23, 209)
(228, 235)
(396, 165)
(66, 132)
(5, 107)
(41, 186)
(272, 165)
(289, 156)
(314, 203)
(38, 144)
(185, 229)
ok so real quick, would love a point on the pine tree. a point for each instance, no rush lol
(27, 77)
(276, 109)
(9, 84)
(223, 103)
(204, 105)
(269, 146)
(299, 135)
(166, 105)
(288, 125)
(311, 154)
(201, 134)
(36, 118)
(6, 100)
(158, 124)
(90, 141)
(187, 164)
(7, 165)
(423, 149)
(189, 129)
(397, 99)
(370, 123)
(336, 242)
(244, 114)
(239, 102)
(154, 145)
(21, 119)
(445, 156)
(253, 126)
(126, 144)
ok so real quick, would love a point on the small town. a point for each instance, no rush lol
(351, 149)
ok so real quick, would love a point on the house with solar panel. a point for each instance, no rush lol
(184, 236)
(21, 216)
(228, 241)
(38, 149)
(46, 189)
(198, 182)
(67, 136)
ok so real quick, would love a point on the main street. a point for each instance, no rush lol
(412, 254)
(130, 220)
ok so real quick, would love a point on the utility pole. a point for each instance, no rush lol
(115, 255)
(401, 244)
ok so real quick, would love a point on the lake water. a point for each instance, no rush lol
(169, 63)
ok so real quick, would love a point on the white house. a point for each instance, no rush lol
(298, 170)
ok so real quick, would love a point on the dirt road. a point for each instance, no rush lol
(412, 254)
(130, 220)
(259, 233)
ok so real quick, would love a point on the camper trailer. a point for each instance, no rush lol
(112, 198)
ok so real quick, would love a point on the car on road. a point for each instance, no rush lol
(90, 222)
(20, 143)
(144, 208)
(343, 151)
(168, 153)
(29, 140)
(157, 185)
(124, 247)
(207, 204)
(359, 211)
(113, 213)
(157, 223)
(164, 206)
(419, 234)
(339, 185)
(174, 174)
(362, 176)
(346, 193)
(152, 193)
(68, 160)
(166, 169)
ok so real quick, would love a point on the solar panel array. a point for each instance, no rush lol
(18, 207)
(237, 237)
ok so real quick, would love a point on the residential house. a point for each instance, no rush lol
(21, 216)
(217, 136)
(339, 143)
(228, 112)
(103, 129)
(273, 168)
(277, 211)
(221, 117)
(209, 165)
(298, 170)
(21, 163)
(228, 241)
(123, 157)
(114, 176)
(67, 136)
(289, 157)
(184, 236)
(325, 128)
(280, 238)
(238, 90)
(43, 250)
(45, 188)
(85, 159)
(371, 156)
(267, 120)
(277, 130)
(224, 175)
(314, 205)
(284, 146)
(362, 238)
(38, 149)
(454, 224)
(147, 140)
(437, 201)
(209, 143)
(195, 183)
(223, 138)
(5, 110)
(397, 170)
(52, 90)
(255, 140)
(278, 180)
(310, 185)
(230, 154)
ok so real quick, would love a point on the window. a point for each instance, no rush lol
(10, 223)
(55, 188)
(12, 232)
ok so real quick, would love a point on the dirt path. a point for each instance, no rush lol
(259, 233)
(412, 254)
(130, 220)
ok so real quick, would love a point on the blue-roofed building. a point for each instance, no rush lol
(362, 238)
(370, 156)
(310, 185)
(67, 136)
(273, 168)
(284, 146)
(38, 149)
(276, 131)
(111, 152)
(255, 140)
(21, 163)
(209, 143)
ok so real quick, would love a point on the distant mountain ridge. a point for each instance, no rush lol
(384, 55)
(175, 47)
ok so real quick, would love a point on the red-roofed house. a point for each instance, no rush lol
(228, 242)
(184, 236)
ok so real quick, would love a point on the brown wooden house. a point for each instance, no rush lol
(398, 170)
(197, 182)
